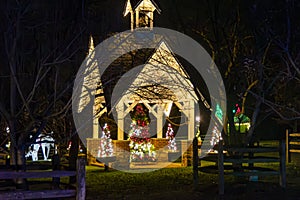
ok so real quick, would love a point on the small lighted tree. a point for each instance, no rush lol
(216, 136)
(171, 136)
(105, 147)
(141, 148)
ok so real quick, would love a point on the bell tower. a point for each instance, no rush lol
(141, 16)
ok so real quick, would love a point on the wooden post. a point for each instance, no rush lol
(221, 168)
(137, 18)
(80, 187)
(186, 151)
(195, 162)
(287, 151)
(191, 116)
(282, 152)
(159, 123)
(131, 20)
(120, 114)
(251, 155)
(95, 125)
(106, 166)
(55, 166)
(151, 20)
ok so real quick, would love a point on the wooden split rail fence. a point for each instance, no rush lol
(292, 144)
(242, 162)
(78, 192)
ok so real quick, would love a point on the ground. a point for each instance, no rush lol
(176, 183)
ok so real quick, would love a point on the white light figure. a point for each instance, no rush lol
(46, 141)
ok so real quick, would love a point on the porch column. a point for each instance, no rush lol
(95, 123)
(151, 20)
(95, 127)
(137, 18)
(131, 20)
(120, 117)
(159, 118)
(191, 117)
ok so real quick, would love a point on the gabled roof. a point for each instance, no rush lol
(139, 3)
(92, 82)
(128, 8)
(143, 3)
(134, 3)
(163, 55)
(161, 78)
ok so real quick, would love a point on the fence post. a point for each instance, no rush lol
(282, 164)
(55, 166)
(80, 186)
(195, 162)
(221, 167)
(287, 155)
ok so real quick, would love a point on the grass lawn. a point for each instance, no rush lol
(159, 184)
(177, 183)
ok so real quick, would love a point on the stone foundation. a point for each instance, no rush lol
(122, 151)
(92, 146)
(160, 143)
(186, 153)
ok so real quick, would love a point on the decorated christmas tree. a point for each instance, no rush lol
(141, 148)
(170, 135)
(105, 147)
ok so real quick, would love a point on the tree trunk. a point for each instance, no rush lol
(13, 143)
(249, 137)
(73, 154)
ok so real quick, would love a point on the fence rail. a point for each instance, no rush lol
(241, 162)
(78, 191)
(292, 144)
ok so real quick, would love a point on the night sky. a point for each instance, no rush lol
(51, 37)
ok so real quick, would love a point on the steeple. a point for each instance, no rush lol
(142, 15)
(91, 45)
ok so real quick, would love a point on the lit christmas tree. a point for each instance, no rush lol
(170, 135)
(140, 143)
(105, 147)
(216, 136)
